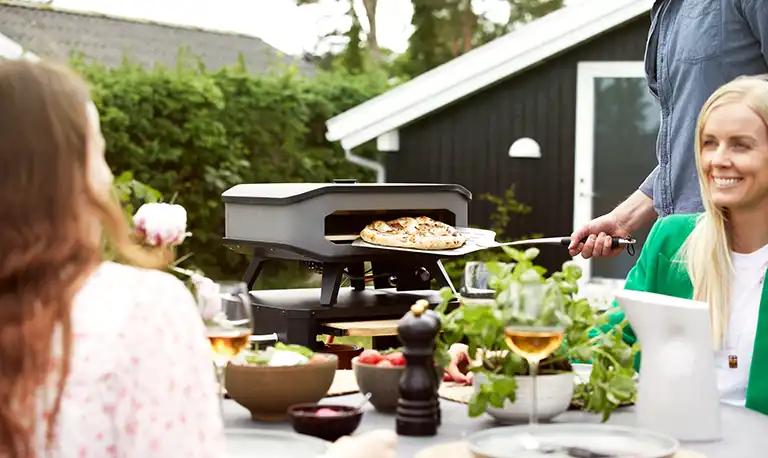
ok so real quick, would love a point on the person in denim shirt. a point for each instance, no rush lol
(694, 47)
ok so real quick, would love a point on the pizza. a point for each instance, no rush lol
(420, 233)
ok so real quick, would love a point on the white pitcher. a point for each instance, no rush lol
(677, 392)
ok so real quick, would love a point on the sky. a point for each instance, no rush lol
(280, 23)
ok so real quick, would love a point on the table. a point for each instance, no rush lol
(745, 433)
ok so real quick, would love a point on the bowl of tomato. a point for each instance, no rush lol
(378, 373)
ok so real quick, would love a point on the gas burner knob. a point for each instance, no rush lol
(423, 274)
(392, 280)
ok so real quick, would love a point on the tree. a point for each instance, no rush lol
(442, 30)
(445, 29)
(356, 55)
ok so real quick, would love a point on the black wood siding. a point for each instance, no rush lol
(467, 142)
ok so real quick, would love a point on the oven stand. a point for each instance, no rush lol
(254, 270)
(437, 271)
(330, 283)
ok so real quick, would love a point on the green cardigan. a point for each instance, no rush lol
(656, 271)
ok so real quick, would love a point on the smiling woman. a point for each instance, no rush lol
(734, 155)
(721, 256)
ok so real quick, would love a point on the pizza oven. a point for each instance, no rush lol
(319, 221)
(316, 224)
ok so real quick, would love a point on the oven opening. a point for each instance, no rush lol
(344, 226)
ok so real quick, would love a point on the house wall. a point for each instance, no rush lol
(467, 143)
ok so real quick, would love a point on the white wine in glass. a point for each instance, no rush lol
(226, 343)
(533, 329)
(226, 310)
(532, 343)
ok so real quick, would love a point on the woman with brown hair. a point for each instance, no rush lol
(97, 359)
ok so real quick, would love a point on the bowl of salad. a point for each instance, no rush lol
(268, 381)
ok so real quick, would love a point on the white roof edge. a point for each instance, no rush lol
(503, 57)
(10, 49)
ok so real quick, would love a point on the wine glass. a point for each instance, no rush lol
(226, 311)
(475, 284)
(532, 326)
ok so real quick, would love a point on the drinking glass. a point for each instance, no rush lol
(475, 284)
(532, 326)
(226, 311)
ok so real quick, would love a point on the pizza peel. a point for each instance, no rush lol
(483, 239)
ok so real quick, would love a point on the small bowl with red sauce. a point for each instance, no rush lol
(325, 421)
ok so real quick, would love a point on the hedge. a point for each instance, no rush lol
(191, 134)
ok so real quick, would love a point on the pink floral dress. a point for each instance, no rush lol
(142, 384)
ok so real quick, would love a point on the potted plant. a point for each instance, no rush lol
(502, 378)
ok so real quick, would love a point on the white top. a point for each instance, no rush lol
(746, 293)
(142, 384)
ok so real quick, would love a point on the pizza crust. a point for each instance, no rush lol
(420, 233)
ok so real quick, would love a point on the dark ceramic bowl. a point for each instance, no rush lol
(309, 419)
(345, 353)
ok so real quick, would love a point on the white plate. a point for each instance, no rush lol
(620, 441)
(250, 443)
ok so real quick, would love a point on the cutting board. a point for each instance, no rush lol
(461, 450)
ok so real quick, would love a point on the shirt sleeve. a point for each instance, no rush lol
(756, 15)
(647, 186)
(166, 401)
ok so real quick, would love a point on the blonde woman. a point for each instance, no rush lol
(721, 256)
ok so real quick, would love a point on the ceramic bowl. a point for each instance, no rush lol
(345, 352)
(268, 391)
(553, 394)
(328, 421)
(383, 383)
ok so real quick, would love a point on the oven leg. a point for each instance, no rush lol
(357, 270)
(329, 287)
(437, 271)
(253, 271)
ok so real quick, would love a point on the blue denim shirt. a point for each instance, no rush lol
(694, 47)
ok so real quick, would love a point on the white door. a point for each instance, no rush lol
(617, 121)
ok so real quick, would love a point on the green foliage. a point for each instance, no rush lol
(134, 193)
(482, 325)
(193, 133)
(442, 30)
(446, 29)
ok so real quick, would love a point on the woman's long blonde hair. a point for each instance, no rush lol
(706, 251)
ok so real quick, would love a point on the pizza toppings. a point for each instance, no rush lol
(418, 233)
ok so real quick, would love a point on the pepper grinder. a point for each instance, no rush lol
(417, 408)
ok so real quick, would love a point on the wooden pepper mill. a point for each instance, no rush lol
(417, 407)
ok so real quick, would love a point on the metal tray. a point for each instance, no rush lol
(617, 441)
(248, 443)
(477, 239)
